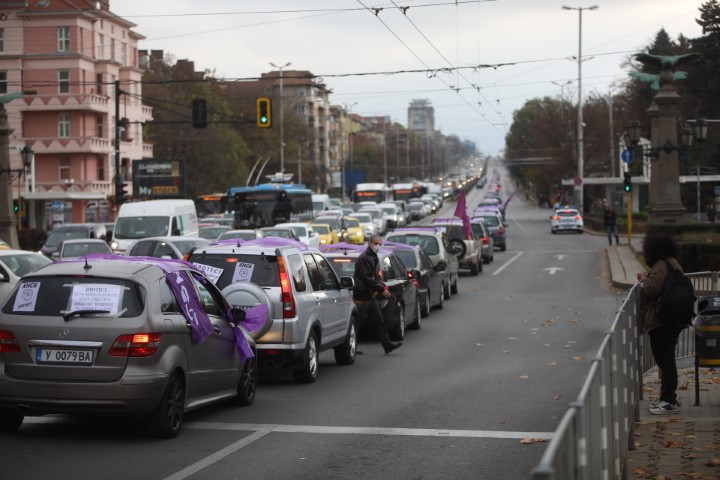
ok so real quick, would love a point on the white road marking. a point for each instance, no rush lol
(553, 270)
(504, 265)
(330, 430)
(560, 257)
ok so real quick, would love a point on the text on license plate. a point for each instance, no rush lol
(47, 355)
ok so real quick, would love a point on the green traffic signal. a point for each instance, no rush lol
(263, 112)
(627, 183)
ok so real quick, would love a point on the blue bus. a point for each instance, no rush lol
(268, 204)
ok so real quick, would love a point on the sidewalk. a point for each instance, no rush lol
(681, 446)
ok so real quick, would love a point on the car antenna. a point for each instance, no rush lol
(87, 266)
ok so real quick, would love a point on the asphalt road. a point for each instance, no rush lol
(473, 394)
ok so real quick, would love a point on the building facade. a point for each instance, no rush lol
(78, 64)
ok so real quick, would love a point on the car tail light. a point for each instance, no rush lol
(485, 241)
(135, 345)
(578, 217)
(501, 231)
(556, 218)
(415, 281)
(288, 301)
(8, 342)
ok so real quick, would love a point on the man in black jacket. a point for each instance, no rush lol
(368, 287)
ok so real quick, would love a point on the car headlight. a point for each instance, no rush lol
(114, 245)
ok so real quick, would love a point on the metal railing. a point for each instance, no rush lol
(594, 436)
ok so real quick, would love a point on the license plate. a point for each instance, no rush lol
(77, 357)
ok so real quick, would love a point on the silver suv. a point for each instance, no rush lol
(310, 309)
(467, 250)
(434, 242)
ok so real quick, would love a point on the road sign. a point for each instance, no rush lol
(627, 156)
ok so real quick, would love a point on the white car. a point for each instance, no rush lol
(366, 222)
(566, 219)
(304, 232)
(377, 215)
(16, 263)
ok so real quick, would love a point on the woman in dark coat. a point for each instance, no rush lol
(663, 337)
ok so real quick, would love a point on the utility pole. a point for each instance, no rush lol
(282, 115)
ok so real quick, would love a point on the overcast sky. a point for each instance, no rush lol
(363, 56)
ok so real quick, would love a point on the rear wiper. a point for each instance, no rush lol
(67, 316)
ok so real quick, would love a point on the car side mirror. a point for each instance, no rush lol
(347, 282)
(415, 273)
(441, 265)
(3, 277)
(238, 315)
(55, 255)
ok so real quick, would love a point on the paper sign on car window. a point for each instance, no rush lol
(243, 272)
(95, 297)
(212, 273)
(26, 297)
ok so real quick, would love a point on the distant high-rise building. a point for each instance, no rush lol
(421, 118)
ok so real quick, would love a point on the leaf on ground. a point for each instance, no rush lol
(689, 456)
(524, 377)
(691, 475)
(713, 462)
(512, 295)
(670, 444)
(528, 441)
(639, 471)
(506, 351)
(574, 320)
(552, 364)
(557, 397)
(512, 338)
(578, 358)
(479, 344)
(546, 344)
(685, 385)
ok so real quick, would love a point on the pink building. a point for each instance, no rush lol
(71, 57)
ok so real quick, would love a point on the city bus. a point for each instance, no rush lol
(407, 191)
(371, 192)
(212, 204)
(268, 204)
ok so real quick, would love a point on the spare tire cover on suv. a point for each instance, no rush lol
(246, 295)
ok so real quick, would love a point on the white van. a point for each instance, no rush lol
(153, 218)
(321, 202)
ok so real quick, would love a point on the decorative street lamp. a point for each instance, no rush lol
(698, 133)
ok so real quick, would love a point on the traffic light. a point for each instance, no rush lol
(121, 192)
(264, 112)
(627, 183)
(199, 113)
(16, 206)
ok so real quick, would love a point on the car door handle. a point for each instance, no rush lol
(217, 329)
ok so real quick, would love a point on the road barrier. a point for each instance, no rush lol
(594, 436)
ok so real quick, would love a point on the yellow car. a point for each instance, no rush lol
(327, 235)
(352, 231)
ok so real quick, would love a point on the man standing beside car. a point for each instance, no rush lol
(368, 287)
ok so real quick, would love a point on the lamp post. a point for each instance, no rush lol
(580, 166)
(282, 115)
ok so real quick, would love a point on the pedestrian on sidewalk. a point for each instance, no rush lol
(368, 288)
(711, 212)
(610, 222)
(658, 248)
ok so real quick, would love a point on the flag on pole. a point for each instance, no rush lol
(461, 212)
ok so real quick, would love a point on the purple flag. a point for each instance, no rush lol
(461, 212)
(255, 317)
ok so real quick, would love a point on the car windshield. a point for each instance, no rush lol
(364, 218)
(121, 298)
(390, 210)
(80, 249)
(321, 229)
(22, 264)
(185, 245)
(141, 227)
(277, 232)
(489, 220)
(427, 243)
(334, 222)
(261, 270)
(350, 223)
(211, 233)
(566, 213)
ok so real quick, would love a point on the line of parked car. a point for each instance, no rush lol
(156, 337)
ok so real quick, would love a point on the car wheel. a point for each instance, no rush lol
(10, 421)
(441, 305)
(416, 325)
(454, 287)
(426, 306)
(446, 290)
(166, 420)
(309, 371)
(553, 232)
(474, 270)
(345, 353)
(397, 333)
(458, 248)
(247, 386)
(503, 247)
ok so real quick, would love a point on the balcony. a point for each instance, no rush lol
(71, 145)
(53, 103)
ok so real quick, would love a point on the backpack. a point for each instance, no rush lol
(676, 303)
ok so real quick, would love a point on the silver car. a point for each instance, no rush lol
(16, 263)
(118, 337)
(174, 247)
(310, 308)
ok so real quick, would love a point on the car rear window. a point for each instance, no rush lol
(53, 296)
(343, 266)
(224, 269)
(490, 221)
(566, 213)
(407, 258)
(426, 242)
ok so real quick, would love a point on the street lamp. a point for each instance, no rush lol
(282, 137)
(698, 132)
(580, 101)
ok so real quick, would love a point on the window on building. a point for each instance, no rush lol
(2, 39)
(64, 168)
(100, 126)
(99, 47)
(101, 168)
(63, 39)
(63, 124)
(99, 83)
(123, 54)
(112, 49)
(63, 81)
(3, 81)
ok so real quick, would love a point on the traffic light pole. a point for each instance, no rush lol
(629, 217)
(118, 177)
